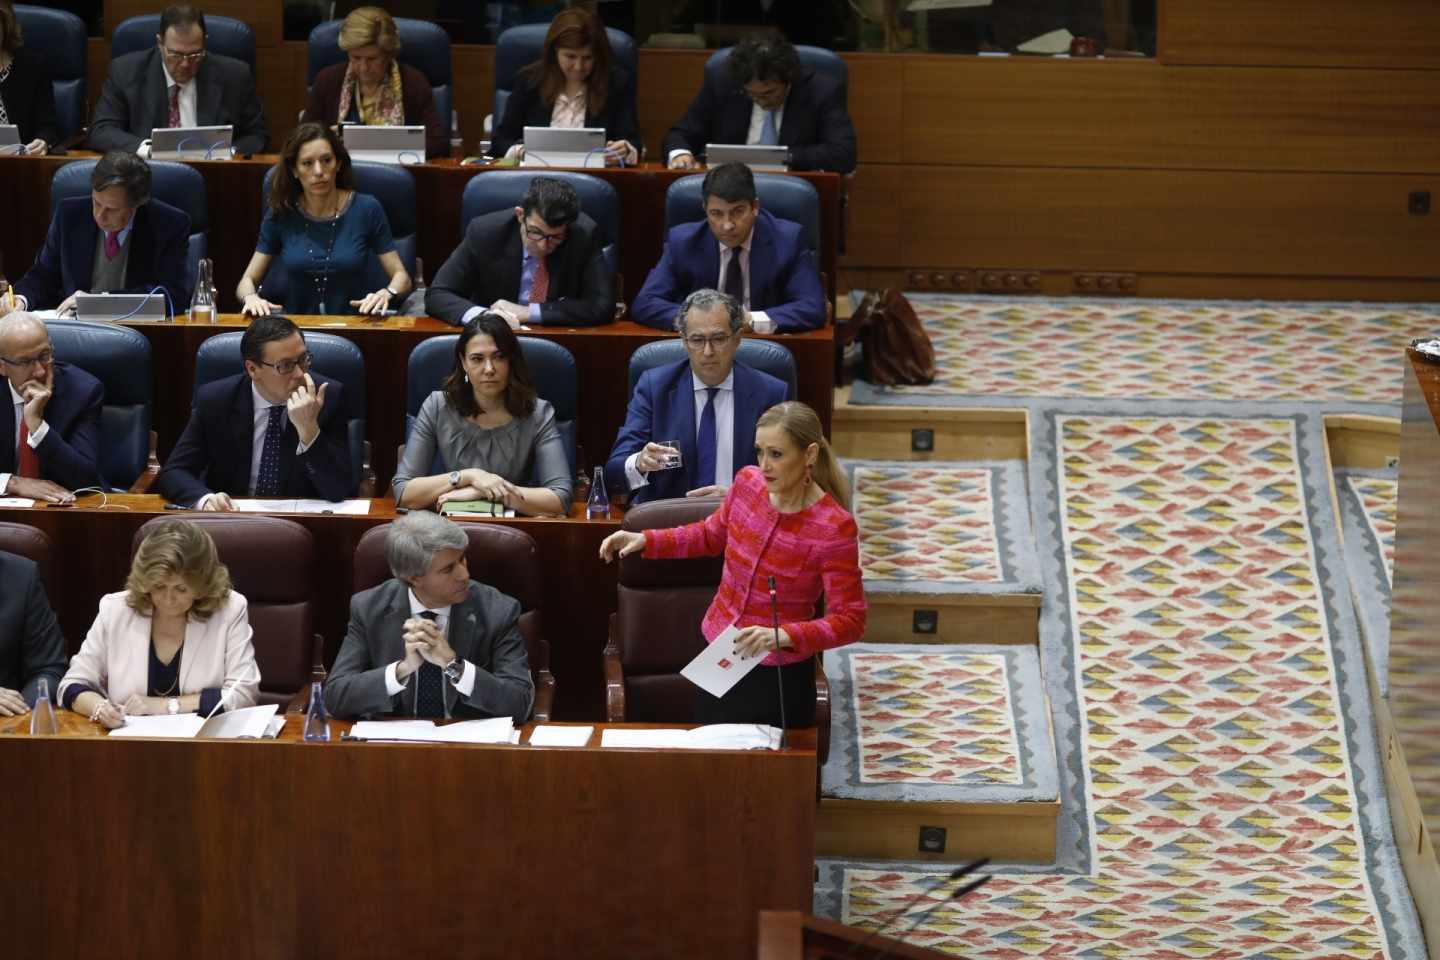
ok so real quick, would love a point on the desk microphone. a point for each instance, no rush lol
(779, 673)
(965, 869)
(229, 689)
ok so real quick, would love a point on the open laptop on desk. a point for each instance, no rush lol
(764, 158)
(120, 306)
(564, 147)
(191, 143)
(10, 145)
(394, 145)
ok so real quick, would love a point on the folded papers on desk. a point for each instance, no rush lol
(249, 723)
(716, 736)
(19, 503)
(355, 507)
(556, 735)
(493, 730)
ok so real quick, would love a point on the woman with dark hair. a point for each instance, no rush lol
(575, 83)
(488, 429)
(324, 233)
(26, 97)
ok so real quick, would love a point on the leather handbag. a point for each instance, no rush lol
(896, 347)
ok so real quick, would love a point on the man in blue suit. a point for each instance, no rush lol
(50, 432)
(117, 241)
(758, 259)
(31, 647)
(706, 405)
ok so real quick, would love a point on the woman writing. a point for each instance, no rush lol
(27, 99)
(575, 83)
(172, 641)
(323, 232)
(490, 429)
(782, 519)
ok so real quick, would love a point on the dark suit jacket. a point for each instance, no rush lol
(214, 451)
(31, 646)
(29, 97)
(663, 408)
(415, 92)
(70, 453)
(816, 125)
(134, 102)
(486, 267)
(525, 108)
(159, 243)
(484, 629)
(783, 279)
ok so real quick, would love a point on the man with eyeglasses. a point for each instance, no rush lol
(762, 95)
(274, 431)
(177, 83)
(706, 405)
(538, 263)
(50, 441)
(757, 258)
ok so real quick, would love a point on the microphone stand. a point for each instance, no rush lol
(963, 870)
(779, 676)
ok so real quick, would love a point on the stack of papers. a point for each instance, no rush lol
(251, 723)
(493, 730)
(554, 735)
(356, 507)
(716, 736)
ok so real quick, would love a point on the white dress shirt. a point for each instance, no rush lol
(757, 123)
(724, 432)
(759, 320)
(257, 442)
(188, 97)
(393, 685)
(17, 403)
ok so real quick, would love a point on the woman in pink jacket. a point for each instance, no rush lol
(783, 520)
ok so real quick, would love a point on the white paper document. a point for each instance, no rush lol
(554, 735)
(184, 725)
(22, 503)
(353, 507)
(719, 667)
(251, 722)
(716, 736)
(493, 730)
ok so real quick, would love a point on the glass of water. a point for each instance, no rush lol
(672, 460)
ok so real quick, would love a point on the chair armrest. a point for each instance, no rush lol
(614, 680)
(147, 477)
(544, 696)
(299, 703)
(822, 713)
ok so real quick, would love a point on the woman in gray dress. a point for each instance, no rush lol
(492, 433)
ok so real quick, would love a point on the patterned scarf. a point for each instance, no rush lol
(386, 110)
(4, 75)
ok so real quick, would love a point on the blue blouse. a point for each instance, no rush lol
(326, 261)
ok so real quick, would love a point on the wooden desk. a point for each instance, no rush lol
(288, 849)
(602, 355)
(92, 547)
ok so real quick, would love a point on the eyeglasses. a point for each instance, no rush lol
(698, 343)
(44, 357)
(287, 367)
(537, 235)
(764, 93)
(195, 57)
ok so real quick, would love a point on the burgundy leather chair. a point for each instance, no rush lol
(502, 557)
(272, 562)
(28, 542)
(655, 630)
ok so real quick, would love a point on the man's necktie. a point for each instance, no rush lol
(769, 136)
(112, 244)
(539, 283)
(26, 457)
(267, 481)
(734, 279)
(174, 120)
(430, 694)
(705, 441)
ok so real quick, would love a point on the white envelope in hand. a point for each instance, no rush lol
(719, 667)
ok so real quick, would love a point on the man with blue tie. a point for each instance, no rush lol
(706, 404)
(275, 430)
(753, 256)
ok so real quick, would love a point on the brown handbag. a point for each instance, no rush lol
(897, 349)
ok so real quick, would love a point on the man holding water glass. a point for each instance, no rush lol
(690, 425)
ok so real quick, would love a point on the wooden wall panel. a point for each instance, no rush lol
(473, 70)
(876, 105)
(1338, 33)
(280, 81)
(1135, 113)
(264, 16)
(669, 80)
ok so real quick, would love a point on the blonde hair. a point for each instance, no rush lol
(802, 425)
(366, 26)
(178, 548)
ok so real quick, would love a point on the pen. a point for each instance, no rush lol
(177, 506)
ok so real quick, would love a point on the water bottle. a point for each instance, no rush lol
(598, 504)
(417, 292)
(202, 302)
(42, 718)
(317, 725)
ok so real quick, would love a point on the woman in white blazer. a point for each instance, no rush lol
(172, 641)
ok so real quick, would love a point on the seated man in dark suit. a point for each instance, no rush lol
(706, 405)
(50, 434)
(31, 647)
(759, 259)
(177, 84)
(765, 96)
(117, 241)
(273, 431)
(538, 263)
(431, 642)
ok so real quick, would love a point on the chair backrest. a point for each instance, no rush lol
(499, 555)
(28, 542)
(660, 604)
(552, 367)
(520, 46)
(787, 197)
(819, 59)
(119, 358)
(423, 45)
(178, 184)
(766, 356)
(272, 562)
(503, 189)
(394, 187)
(335, 357)
(223, 35)
(61, 36)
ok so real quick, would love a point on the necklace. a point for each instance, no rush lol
(322, 271)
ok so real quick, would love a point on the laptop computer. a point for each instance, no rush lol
(564, 147)
(395, 145)
(120, 306)
(10, 144)
(775, 159)
(191, 143)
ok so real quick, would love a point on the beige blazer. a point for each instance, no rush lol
(115, 658)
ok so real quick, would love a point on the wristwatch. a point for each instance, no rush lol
(454, 479)
(173, 705)
(454, 670)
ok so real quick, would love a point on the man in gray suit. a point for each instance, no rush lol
(431, 642)
(31, 647)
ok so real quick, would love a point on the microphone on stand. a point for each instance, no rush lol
(779, 678)
(965, 869)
